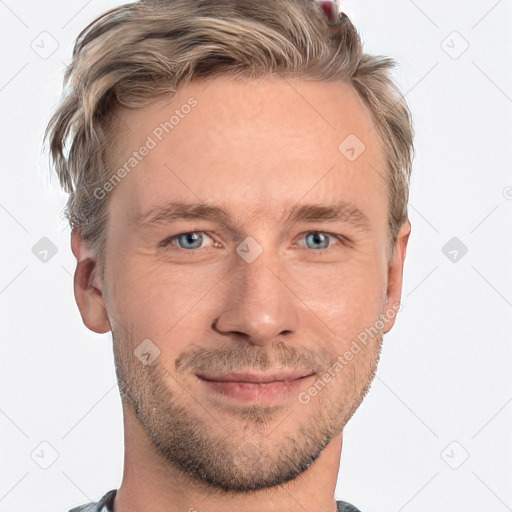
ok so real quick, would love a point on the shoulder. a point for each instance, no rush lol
(343, 506)
(106, 504)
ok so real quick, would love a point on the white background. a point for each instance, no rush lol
(443, 391)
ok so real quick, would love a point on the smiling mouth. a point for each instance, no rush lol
(256, 387)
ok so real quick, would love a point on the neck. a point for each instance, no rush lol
(151, 483)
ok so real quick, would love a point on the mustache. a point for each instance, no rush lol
(231, 358)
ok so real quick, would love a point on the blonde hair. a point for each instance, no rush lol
(141, 51)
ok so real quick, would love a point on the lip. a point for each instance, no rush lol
(253, 387)
(258, 377)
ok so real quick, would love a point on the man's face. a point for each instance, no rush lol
(250, 291)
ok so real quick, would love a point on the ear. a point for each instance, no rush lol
(88, 285)
(395, 275)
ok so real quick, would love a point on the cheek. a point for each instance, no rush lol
(344, 300)
(158, 300)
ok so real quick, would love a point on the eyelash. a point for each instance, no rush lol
(168, 241)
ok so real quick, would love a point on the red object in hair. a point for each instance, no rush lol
(330, 8)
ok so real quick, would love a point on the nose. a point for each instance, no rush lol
(259, 303)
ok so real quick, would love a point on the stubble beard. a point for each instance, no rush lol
(252, 450)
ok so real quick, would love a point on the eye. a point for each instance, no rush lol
(321, 241)
(187, 241)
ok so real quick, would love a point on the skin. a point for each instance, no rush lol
(257, 148)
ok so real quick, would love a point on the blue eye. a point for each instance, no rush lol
(186, 241)
(321, 240)
(190, 240)
(317, 240)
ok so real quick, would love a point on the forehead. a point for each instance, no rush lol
(259, 145)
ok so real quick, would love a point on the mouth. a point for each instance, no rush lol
(259, 387)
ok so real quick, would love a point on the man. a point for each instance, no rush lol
(238, 175)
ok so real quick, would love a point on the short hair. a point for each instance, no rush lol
(146, 50)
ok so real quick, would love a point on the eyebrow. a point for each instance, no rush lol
(340, 211)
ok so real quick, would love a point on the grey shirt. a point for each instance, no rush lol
(106, 504)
